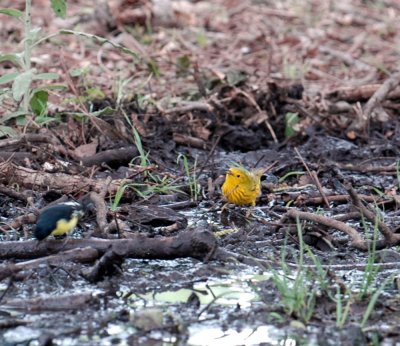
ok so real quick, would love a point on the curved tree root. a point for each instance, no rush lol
(389, 237)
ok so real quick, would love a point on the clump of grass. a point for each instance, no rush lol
(298, 294)
(299, 289)
(191, 175)
(368, 289)
(373, 300)
(153, 185)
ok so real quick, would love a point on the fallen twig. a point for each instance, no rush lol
(391, 169)
(360, 93)
(313, 175)
(106, 265)
(356, 239)
(101, 207)
(14, 194)
(192, 243)
(58, 181)
(86, 254)
(381, 94)
(113, 156)
(50, 303)
(345, 57)
(190, 106)
(390, 237)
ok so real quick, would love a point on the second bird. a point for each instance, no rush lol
(58, 219)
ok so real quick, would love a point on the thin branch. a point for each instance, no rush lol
(390, 237)
(315, 179)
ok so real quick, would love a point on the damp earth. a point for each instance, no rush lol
(137, 109)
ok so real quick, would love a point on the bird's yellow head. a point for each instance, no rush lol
(238, 175)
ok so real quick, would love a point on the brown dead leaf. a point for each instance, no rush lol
(305, 180)
(202, 132)
(86, 150)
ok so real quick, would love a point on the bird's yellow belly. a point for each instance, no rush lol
(64, 226)
(241, 196)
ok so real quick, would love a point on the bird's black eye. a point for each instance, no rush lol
(238, 175)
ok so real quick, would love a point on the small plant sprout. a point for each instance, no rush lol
(291, 122)
(373, 300)
(118, 195)
(343, 305)
(144, 157)
(145, 190)
(371, 270)
(191, 176)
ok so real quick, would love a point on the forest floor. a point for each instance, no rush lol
(149, 104)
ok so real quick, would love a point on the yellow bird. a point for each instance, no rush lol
(242, 187)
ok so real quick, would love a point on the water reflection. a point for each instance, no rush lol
(214, 336)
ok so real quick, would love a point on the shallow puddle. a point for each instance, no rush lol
(201, 335)
(228, 291)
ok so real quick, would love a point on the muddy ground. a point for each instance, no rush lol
(308, 89)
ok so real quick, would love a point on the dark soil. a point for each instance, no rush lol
(214, 84)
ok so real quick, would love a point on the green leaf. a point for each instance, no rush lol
(104, 111)
(21, 84)
(43, 120)
(76, 72)
(43, 76)
(94, 93)
(8, 77)
(11, 12)
(291, 120)
(234, 78)
(59, 7)
(54, 87)
(7, 131)
(12, 115)
(39, 102)
(21, 121)
(15, 58)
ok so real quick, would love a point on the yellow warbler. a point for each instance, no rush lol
(242, 187)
